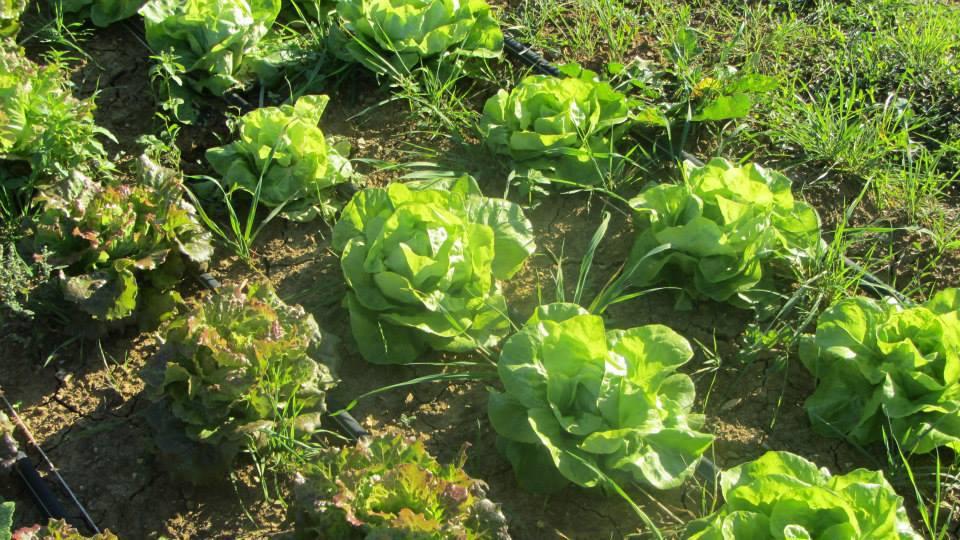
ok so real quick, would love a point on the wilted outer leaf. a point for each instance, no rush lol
(422, 265)
(578, 398)
(885, 367)
(781, 495)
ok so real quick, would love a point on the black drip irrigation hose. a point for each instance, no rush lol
(347, 423)
(40, 492)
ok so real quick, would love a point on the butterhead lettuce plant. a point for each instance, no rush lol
(102, 12)
(564, 129)
(210, 38)
(883, 367)
(391, 487)
(782, 495)
(122, 246)
(422, 263)
(239, 365)
(723, 234)
(397, 34)
(284, 152)
(583, 404)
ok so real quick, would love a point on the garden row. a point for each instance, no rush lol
(425, 262)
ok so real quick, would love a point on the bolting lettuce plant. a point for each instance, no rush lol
(390, 487)
(121, 246)
(284, 152)
(782, 495)
(557, 129)
(239, 365)
(422, 262)
(211, 38)
(397, 34)
(102, 12)
(723, 234)
(583, 404)
(882, 367)
(10, 11)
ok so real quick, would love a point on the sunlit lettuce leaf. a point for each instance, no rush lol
(286, 147)
(210, 37)
(423, 267)
(882, 367)
(388, 35)
(57, 529)
(781, 495)
(564, 128)
(238, 365)
(114, 238)
(102, 12)
(722, 234)
(580, 400)
(10, 11)
(390, 487)
(41, 123)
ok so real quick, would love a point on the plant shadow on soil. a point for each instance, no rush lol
(85, 411)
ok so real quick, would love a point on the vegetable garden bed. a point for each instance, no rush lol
(79, 385)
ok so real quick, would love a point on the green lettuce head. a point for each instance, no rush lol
(397, 34)
(881, 367)
(557, 128)
(422, 263)
(240, 364)
(390, 487)
(122, 246)
(723, 234)
(782, 495)
(212, 38)
(10, 11)
(102, 12)
(579, 401)
(286, 147)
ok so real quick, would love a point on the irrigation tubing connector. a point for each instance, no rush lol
(347, 423)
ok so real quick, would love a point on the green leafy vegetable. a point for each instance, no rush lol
(120, 245)
(391, 487)
(42, 125)
(397, 34)
(580, 400)
(212, 38)
(10, 11)
(239, 365)
(422, 263)
(782, 495)
(723, 234)
(285, 147)
(57, 529)
(881, 366)
(555, 128)
(102, 12)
